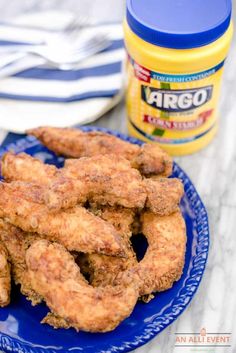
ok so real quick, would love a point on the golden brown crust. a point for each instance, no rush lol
(77, 229)
(46, 203)
(75, 143)
(121, 218)
(102, 179)
(109, 179)
(26, 168)
(5, 277)
(99, 179)
(16, 242)
(150, 159)
(102, 270)
(23, 167)
(163, 262)
(56, 277)
(163, 195)
(55, 321)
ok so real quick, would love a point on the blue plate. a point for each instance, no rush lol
(20, 328)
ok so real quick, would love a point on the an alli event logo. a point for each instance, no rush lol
(176, 100)
(202, 341)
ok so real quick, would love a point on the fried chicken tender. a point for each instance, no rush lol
(5, 277)
(65, 190)
(163, 262)
(77, 229)
(150, 159)
(163, 195)
(110, 180)
(153, 161)
(56, 277)
(23, 167)
(75, 143)
(16, 242)
(102, 179)
(101, 269)
(26, 168)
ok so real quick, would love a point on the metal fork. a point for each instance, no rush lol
(59, 49)
(78, 22)
(63, 57)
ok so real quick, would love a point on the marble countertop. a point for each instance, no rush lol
(213, 171)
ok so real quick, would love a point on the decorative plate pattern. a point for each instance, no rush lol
(20, 328)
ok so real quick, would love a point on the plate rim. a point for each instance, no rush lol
(179, 303)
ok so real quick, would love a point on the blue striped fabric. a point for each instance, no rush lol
(7, 42)
(53, 74)
(50, 74)
(72, 98)
(97, 80)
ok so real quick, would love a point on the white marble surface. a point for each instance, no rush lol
(213, 171)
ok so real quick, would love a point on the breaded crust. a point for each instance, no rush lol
(56, 277)
(77, 229)
(102, 270)
(75, 143)
(17, 242)
(109, 179)
(163, 195)
(23, 167)
(99, 180)
(163, 262)
(26, 168)
(5, 277)
(150, 159)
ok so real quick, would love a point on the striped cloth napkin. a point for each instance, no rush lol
(36, 94)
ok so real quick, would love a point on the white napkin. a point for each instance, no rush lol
(37, 95)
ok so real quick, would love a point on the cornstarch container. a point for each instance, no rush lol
(176, 54)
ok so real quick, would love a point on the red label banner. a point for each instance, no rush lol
(178, 125)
